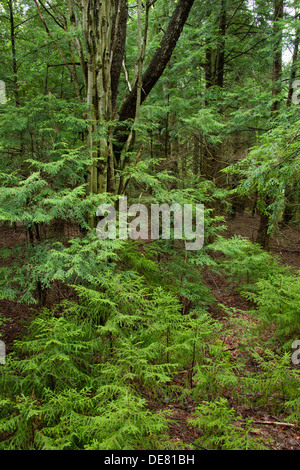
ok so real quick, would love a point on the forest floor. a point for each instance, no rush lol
(272, 429)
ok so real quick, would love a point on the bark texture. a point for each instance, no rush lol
(153, 72)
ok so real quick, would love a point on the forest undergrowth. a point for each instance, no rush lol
(120, 344)
(167, 350)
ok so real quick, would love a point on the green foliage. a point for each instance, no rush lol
(258, 275)
(278, 302)
(274, 378)
(82, 367)
(126, 319)
(271, 168)
(223, 428)
(244, 262)
(110, 418)
(59, 396)
(215, 373)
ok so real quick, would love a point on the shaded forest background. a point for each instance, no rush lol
(122, 344)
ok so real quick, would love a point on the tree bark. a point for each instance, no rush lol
(277, 61)
(101, 55)
(264, 235)
(118, 43)
(153, 72)
(97, 22)
(294, 63)
(14, 53)
(219, 80)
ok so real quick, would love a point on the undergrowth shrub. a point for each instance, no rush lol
(258, 276)
(274, 381)
(111, 417)
(243, 261)
(76, 380)
(87, 369)
(278, 302)
(216, 374)
(59, 395)
(223, 429)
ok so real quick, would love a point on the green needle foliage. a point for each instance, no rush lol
(278, 301)
(119, 329)
(223, 428)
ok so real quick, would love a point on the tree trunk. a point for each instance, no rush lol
(264, 235)
(291, 204)
(152, 74)
(294, 63)
(101, 56)
(214, 76)
(220, 63)
(196, 156)
(97, 23)
(118, 45)
(13, 50)
(277, 61)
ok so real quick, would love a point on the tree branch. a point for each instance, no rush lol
(50, 35)
(154, 70)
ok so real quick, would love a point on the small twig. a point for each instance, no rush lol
(73, 72)
(200, 447)
(211, 277)
(280, 423)
(138, 156)
(126, 76)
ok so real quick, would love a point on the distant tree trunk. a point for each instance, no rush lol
(196, 156)
(294, 63)
(291, 204)
(214, 71)
(97, 21)
(264, 235)
(292, 192)
(277, 61)
(220, 62)
(150, 77)
(13, 50)
(208, 74)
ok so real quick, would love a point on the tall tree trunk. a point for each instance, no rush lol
(196, 155)
(220, 62)
(214, 70)
(152, 74)
(294, 63)
(14, 53)
(104, 35)
(277, 61)
(292, 192)
(291, 208)
(142, 41)
(97, 23)
(264, 235)
(118, 45)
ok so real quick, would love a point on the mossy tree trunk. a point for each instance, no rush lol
(97, 23)
(100, 51)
